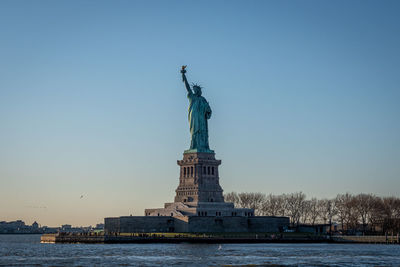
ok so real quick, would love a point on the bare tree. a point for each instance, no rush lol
(245, 200)
(376, 213)
(305, 211)
(295, 204)
(327, 210)
(274, 205)
(353, 216)
(252, 201)
(232, 197)
(391, 212)
(341, 203)
(313, 211)
(376, 217)
(282, 205)
(363, 206)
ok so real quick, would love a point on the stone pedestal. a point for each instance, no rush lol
(198, 207)
(199, 192)
(199, 179)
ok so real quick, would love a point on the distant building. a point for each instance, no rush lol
(66, 227)
(35, 225)
(17, 227)
(99, 226)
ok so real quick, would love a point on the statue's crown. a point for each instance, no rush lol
(196, 85)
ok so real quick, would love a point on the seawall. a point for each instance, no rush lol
(217, 238)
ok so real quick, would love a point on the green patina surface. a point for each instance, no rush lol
(199, 112)
(199, 151)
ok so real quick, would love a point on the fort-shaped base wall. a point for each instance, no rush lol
(195, 224)
(198, 207)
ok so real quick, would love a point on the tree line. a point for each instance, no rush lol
(366, 213)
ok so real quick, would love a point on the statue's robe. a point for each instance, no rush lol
(199, 113)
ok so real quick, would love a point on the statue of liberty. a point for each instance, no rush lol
(199, 113)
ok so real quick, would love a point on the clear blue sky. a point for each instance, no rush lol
(305, 97)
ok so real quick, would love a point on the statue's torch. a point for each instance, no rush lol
(183, 71)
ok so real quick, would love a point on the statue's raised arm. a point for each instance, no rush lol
(183, 71)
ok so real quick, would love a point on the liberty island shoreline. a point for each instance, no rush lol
(213, 238)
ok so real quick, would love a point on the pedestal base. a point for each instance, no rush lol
(199, 209)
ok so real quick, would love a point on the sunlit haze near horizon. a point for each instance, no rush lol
(305, 97)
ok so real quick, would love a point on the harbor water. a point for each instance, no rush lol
(26, 250)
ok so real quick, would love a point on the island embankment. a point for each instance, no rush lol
(91, 238)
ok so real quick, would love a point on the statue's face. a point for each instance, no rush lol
(197, 90)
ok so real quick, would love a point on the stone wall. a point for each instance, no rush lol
(212, 224)
(237, 224)
(111, 225)
(181, 224)
(139, 224)
(268, 223)
(195, 224)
